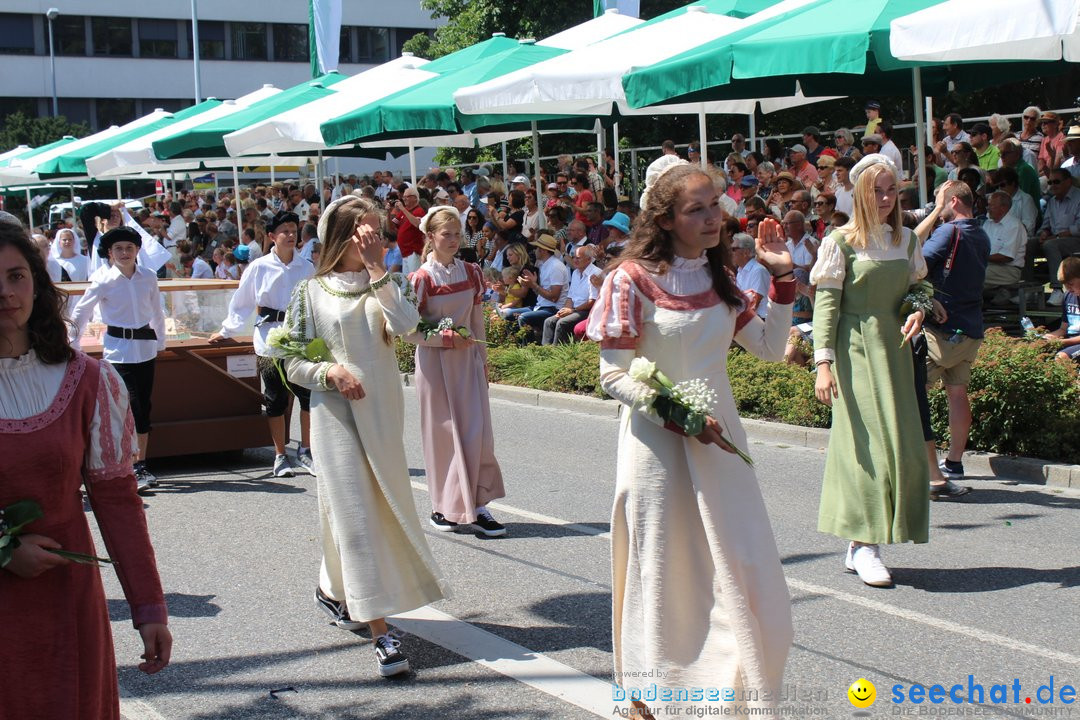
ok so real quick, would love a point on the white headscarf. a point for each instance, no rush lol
(658, 167)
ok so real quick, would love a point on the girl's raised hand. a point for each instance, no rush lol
(771, 248)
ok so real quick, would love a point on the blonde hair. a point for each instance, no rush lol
(341, 221)
(438, 218)
(864, 223)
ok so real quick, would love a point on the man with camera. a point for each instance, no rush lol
(405, 214)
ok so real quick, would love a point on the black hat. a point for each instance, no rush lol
(281, 218)
(88, 212)
(873, 105)
(120, 234)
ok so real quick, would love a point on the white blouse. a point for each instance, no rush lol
(29, 387)
(831, 268)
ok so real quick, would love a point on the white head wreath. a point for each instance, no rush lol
(658, 167)
(872, 159)
(433, 210)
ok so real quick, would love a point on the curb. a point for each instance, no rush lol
(986, 464)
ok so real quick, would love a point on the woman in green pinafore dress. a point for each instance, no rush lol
(876, 472)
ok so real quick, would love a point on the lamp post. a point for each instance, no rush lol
(52, 14)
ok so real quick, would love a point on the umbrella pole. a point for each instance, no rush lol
(271, 172)
(29, 211)
(412, 161)
(172, 182)
(319, 177)
(920, 134)
(615, 154)
(753, 131)
(505, 167)
(236, 202)
(536, 168)
(599, 146)
(701, 132)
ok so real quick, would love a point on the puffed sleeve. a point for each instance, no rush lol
(915, 258)
(831, 266)
(300, 324)
(615, 319)
(110, 488)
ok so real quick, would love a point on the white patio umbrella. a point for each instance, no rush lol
(15, 152)
(588, 81)
(137, 156)
(989, 30)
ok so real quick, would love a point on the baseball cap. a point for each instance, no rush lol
(873, 105)
(811, 130)
(872, 138)
(520, 179)
(798, 147)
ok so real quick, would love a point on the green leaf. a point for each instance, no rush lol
(20, 514)
(81, 558)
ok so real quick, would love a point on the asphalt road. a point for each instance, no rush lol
(994, 595)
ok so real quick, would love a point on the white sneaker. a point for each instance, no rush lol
(1056, 298)
(305, 460)
(865, 560)
(282, 468)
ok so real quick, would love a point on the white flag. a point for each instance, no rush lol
(324, 35)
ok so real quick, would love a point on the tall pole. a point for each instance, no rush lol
(52, 14)
(412, 161)
(753, 131)
(29, 210)
(505, 162)
(701, 132)
(195, 49)
(615, 154)
(236, 202)
(920, 134)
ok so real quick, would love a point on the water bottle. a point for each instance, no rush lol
(1025, 322)
(956, 337)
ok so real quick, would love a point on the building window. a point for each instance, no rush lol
(112, 36)
(403, 35)
(248, 41)
(69, 35)
(16, 34)
(211, 39)
(24, 105)
(157, 38)
(345, 54)
(115, 112)
(372, 44)
(291, 43)
(76, 110)
(166, 105)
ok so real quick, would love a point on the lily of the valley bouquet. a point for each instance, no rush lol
(285, 344)
(920, 296)
(443, 328)
(685, 404)
(14, 519)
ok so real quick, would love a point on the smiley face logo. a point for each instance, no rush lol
(862, 693)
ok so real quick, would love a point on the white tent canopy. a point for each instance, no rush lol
(588, 81)
(21, 173)
(15, 152)
(137, 156)
(989, 30)
(298, 129)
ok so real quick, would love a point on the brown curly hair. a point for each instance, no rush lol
(46, 327)
(654, 247)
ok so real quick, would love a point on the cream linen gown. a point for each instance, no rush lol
(375, 556)
(698, 593)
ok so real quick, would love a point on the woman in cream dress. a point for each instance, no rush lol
(376, 560)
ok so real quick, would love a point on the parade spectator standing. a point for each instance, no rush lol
(751, 277)
(1060, 231)
(987, 153)
(844, 188)
(876, 475)
(406, 219)
(953, 125)
(811, 137)
(738, 145)
(551, 285)
(375, 559)
(956, 255)
(178, 224)
(559, 328)
(1008, 241)
(888, 147)
(1052, 147)
(266, 287)
(689, 507)
(65, 425)
(873, 117)
(451, 385)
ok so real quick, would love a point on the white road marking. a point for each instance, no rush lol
(547, 519)
(808, 587)
(983, 636)
(131, 708)
(510, 659)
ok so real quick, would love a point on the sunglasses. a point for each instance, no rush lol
(820, 203)
(1031, 117)
(1055, 182)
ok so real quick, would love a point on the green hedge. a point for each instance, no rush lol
(1023, 401)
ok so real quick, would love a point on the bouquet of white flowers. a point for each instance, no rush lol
(685, 404)
(446, 325)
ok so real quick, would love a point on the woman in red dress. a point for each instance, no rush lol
(65, 423)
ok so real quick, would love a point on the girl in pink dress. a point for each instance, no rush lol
(451, 382)
(57, 653)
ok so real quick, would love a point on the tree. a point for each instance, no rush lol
(19, 129)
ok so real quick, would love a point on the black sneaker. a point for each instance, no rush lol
(952, 470)
(337, 611)
(441, 523)
(144, 481)
(488, 526)
(389, 656)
